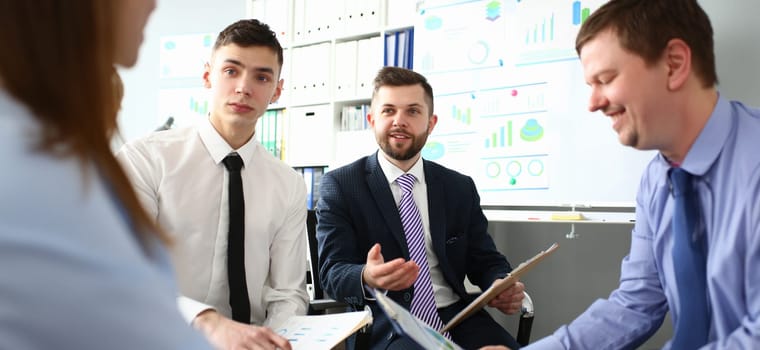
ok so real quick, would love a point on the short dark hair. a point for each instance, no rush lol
(396, 76)
(249, 32)
(645, 27)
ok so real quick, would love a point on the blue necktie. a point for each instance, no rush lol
(689, 264)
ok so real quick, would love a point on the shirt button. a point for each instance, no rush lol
(407, 296)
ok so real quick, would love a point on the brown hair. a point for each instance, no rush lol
(396, 76)
(249, 32)
(645, 27)
(58, 61)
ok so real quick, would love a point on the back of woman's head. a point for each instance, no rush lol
(58, 58)
(58, 61)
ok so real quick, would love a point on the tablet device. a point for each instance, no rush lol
(412, 327)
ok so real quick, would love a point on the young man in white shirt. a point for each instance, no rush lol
(180, 176)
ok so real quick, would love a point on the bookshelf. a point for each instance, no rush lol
(332, 51)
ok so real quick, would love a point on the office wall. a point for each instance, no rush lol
(737, 48)
(142, 84)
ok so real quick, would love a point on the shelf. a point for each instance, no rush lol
(332, 51)
(309, 43)
(397, 29)
(351, 101)
(357, 36)
(545, 216)
(305, 104)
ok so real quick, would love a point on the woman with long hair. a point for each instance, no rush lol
(82, 265)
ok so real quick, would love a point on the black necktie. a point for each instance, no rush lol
(689, 264)
(241, 307)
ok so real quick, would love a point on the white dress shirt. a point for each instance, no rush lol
(180, 177)
(72, 273)
(444, 295)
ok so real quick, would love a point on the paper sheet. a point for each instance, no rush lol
(314, 332)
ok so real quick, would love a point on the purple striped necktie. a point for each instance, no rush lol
(423, 303)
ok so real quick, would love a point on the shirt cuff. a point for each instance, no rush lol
(367, 290)
(190, 308)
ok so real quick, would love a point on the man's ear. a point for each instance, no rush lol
(277, 91)
(206, 75)
(432, 121)
(678, 61)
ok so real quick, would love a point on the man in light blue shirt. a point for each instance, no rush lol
(651, 69)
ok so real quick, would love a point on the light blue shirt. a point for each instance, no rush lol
(72, 274)
(725, 159)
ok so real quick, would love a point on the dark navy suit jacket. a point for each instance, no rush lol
(356, 210)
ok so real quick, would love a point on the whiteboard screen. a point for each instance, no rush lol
(512, 104)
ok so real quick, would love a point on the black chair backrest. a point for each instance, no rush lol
(311, 228)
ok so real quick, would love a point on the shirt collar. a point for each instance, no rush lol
(392, 172)
(709, 143)
(218, 148)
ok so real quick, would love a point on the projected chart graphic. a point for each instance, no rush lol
(547, 29)
(528, 172)
(463, 116)
(481, 41)
(186, 105)
(456, 113)
(500, 138)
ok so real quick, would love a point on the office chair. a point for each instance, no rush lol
(320, 304)
(166, 125)
(526, 321)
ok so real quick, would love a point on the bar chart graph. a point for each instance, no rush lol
(501, 137)
(548, 28)
(541, 32)
(461, 115)
(580, 13)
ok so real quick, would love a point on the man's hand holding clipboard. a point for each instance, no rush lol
(497, 287)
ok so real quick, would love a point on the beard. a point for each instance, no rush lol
(385, 143)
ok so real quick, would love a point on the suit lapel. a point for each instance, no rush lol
(437, 215)
(378, 186)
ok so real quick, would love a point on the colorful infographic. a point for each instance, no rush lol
(511, 102)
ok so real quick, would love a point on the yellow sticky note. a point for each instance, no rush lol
(567, 216)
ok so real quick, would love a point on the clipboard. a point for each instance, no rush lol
(412, 327)
(499, 286)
